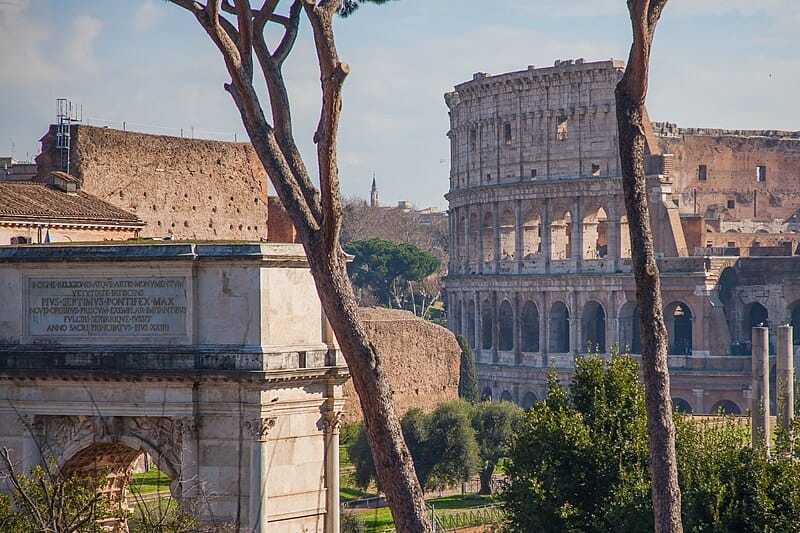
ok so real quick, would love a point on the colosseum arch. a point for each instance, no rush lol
(629, 336)
(529, 336)
(469, 325)
(794, 321)
(508, 236)
(506, 396)
(487, 326)
(559, 328)
(754, 314)
(528, 399)
(487, 237)
(531, 234)
(486, 395)
(679, 405)
(593, 324)
(505, 342)
(595, 233)
(624, 238)
(726, 287)
(678, 319)
(726, 407)
(473, 233)
(561, 234)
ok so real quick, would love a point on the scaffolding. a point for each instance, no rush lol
(67, 115)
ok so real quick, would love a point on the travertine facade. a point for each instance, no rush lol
(214, 359)
(539, 246)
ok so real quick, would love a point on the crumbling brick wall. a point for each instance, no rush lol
(184, 188)
(280, 227)
(420, 358)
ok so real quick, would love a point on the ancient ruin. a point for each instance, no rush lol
(539, 267)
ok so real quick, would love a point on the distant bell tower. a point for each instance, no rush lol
(373, 195)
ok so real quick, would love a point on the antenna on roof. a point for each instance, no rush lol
(67, 115)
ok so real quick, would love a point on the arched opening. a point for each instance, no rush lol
(487, 237)
(561, 235)
(624, 238)
(725, 407)
(528, 399)
(726, 288)
(595, 233)
(486, 395)
(679, 405)
(678, 320)
(531, 234)
(559, 328)
(473, 237)
(529, 335)
(593, 324)
(462, 251)
(794, 321)
(629, 328)
(505, 396)
(508, 236)
(506, 333)
(469, 324)
(486, 325)
(755, 315)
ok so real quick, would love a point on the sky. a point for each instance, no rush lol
(147, 63)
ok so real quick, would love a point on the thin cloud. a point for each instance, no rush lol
(147, 16)
(80, 49)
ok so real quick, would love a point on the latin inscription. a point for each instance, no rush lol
(92, 307)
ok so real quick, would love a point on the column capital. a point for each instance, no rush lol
(333, 421)
(187, 427)
(259, 428)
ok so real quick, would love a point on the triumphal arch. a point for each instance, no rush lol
(214, 359)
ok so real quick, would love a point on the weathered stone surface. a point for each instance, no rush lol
(420, 359)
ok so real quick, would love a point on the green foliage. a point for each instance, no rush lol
(388, 270)
(361, 456)
(495, 424)
(348, 7)
(467, 378)
(352, 523)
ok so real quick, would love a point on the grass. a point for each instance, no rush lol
(348, 490)
(378, 520)
(150, 481)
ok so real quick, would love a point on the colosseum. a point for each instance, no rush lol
(540, 267)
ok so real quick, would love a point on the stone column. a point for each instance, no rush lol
(699, 404)
(785, 377)
(333, 420)
(32, 441)
(190, 467)
(496, 233)
(759, 410)
(258, 428)
(577, 233)
(518, 237)
(613, 242)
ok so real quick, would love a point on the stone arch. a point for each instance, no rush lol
(461, 252)
(486, 395)
(505, 342)
(469, 326)
(561, 234)
(528, 399)
(726, 289)
(678, 319)
(559, 328)
(487, 326)
(506, 396)
(508, 236)
(474, 234)
(595, 233)
(531, 233)
(629, 335)
(679, 405)
(754, 314)
(593, 324)
(529, 336)
(624, 238)
(726, 407)
(487, 237)
(794, 321)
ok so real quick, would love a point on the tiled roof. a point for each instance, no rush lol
(36, 201)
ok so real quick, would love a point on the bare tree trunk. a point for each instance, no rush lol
(238, 32)
(630, 98)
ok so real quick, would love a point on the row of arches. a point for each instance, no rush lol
(508, 329)
(512, 235)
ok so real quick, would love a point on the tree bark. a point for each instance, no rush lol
(630, 98)
(316, 214)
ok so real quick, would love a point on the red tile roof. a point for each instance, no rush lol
(36, 201)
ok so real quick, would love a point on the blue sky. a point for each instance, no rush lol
(716, 63)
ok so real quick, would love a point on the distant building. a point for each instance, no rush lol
(13, 170)
(373, 195)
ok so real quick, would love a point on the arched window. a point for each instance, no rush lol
(486, 325)
(508, 236)
(726, 407)
(629, 328)
(561, 235)
(528, 399)
(529, 335)
(505, 396)
(755, 315)
(469, 324)
(487, 236)
(486, 395)
(595, 233)
(559, 328)
(679, 405)
(678, 319)
(531, 234)
(506, 341)
(594, 327)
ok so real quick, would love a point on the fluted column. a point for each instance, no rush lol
(333, 421)
(258, 429)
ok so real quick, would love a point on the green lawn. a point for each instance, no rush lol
(378, 520)
(149, 481)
